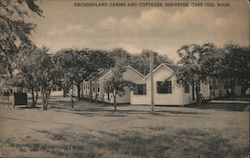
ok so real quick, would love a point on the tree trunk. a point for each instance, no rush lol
(33, 97)
(46, 100)
(82, 89)
(43, 98)
(193, 93)
(198, 97)
(233, 83)
(64, 92)
(72, 101)
(214, 88)
(79, 91)
(243, 91)
(36, 97)
(108, 97)
(115, 100)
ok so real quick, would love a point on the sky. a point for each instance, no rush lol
(162, 29)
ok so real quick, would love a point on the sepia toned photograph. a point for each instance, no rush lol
(124, 79)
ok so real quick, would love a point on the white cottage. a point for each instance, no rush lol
(95, 87)
(166, 90)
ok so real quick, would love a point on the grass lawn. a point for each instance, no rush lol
(94, 130)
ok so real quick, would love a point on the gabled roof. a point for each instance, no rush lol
(130, 67)
(101, 74)
(106, 72)
(173, 68)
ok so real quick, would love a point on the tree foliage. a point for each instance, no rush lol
(14, 31)
(78, 65)
(138, 61)
(200, 62)
(235, 66)
(211, 61)
(37, 72)
(120, 56)
(48, 75)
(141, 61)
(28, 77)
(116, 84)
(236, 63)
(191, 58)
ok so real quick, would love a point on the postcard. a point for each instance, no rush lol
(124, 78)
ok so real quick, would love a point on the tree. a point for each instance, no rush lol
(235, 64)
(62, 64)
(14, 31)
(28, 75)
(231, 62)
(211, 61)
(73, 65)
(37, 71)
(190, 71)
(48, 75)
(141, 61)
(116, 85)
(120, 56)
(78, 65)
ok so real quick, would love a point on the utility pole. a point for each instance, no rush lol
(72, 100)
(152, 81)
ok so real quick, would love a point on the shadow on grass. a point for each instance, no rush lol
(89, 109)
(187, 143)
(180, 112)
(140, 114)
(17, 119)
(53, 135)
(221, 106)
(25, 120)
(27, 107)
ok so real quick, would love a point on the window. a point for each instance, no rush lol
(164, 87)
(187, 88)
(140, 89)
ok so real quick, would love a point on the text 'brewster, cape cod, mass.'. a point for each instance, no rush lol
(147, 4)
